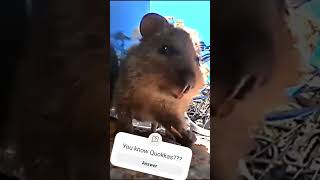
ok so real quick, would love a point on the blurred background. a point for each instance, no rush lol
(288, 146)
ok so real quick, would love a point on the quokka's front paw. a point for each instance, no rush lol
(188, 138)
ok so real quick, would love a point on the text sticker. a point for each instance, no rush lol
(151, 155)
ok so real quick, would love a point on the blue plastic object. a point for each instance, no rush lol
(291, 114)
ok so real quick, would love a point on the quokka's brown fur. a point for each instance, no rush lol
(261, 47)
(151, 80)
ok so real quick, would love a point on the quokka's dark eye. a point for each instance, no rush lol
(168, 50)
(164, 50)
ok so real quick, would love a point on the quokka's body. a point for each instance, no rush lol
(158, 79)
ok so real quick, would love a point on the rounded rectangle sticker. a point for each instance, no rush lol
(151, 155)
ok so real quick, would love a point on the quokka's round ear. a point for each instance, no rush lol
(152, 23)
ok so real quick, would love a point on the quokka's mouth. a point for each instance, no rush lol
(184, 91)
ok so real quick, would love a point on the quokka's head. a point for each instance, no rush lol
(170, 52)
